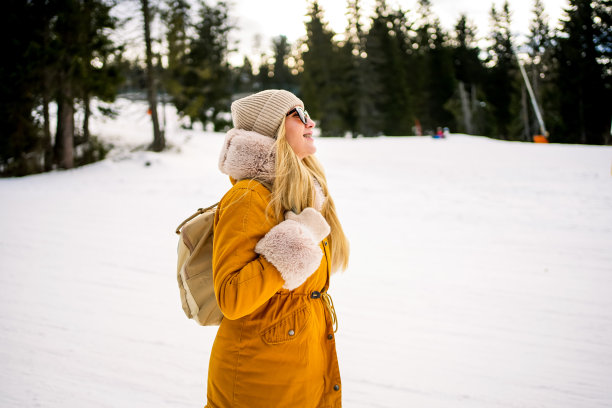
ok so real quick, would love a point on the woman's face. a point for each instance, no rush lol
(299, 135)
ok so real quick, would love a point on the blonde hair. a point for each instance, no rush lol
(293, 189)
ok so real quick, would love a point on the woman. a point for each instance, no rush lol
(277, 239)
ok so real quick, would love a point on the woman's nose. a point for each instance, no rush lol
(310, 123)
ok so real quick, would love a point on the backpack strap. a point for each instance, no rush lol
(191, 217)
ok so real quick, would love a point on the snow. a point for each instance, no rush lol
(480, 274)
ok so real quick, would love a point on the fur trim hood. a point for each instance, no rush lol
(248, 155)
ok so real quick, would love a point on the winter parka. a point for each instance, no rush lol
(275, 346)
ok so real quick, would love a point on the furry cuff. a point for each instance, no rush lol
(291, 247)
(247, 155)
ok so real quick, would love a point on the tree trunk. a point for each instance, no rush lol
(474, 106)
(46, 97)
(47, 146)
(163, 129)
(64, 151)
(581, 124)
(535, 85)
(67, 157)
(86, 114)
(465, 108)
(525, 115)
(58, 146)
(158, 138)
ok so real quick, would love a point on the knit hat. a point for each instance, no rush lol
(263, 112)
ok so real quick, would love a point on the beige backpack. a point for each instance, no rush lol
(194, 268)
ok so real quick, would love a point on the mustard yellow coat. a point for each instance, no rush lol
(275, 348)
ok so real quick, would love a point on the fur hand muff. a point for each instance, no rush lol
(292, 246)
(313, 220)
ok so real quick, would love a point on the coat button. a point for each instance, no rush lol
(325, 243)
(330, 336)
(291, 332)
(336, 387)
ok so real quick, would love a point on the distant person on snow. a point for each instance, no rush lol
(439, 133)
(277, 240)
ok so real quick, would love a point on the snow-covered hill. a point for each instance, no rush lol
(480, 276)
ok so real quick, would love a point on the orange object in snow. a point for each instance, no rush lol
(540, 139)
(149, 111)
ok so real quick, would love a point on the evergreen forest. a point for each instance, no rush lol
(393, 72)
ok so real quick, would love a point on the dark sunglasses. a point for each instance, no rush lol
(301, 113)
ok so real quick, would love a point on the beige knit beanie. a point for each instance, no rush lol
(263, 112)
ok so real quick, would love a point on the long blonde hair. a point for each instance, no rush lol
(293, 189)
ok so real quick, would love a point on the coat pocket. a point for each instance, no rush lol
(288, 328)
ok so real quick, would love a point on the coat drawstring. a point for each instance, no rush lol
(329, 304)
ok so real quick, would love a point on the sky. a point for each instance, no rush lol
(258, 22)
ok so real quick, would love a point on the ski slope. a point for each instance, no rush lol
(480, 275)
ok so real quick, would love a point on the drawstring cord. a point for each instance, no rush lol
(329, 303)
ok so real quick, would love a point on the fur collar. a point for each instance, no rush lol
(248, 155)
(251, 155)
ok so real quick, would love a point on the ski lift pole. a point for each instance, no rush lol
(534, 103)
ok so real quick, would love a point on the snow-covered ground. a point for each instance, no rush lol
(480, 276)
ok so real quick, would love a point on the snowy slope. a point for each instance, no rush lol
(480, 276)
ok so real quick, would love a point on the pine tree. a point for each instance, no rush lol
(81, 69)
(602, 19)
(425, 32)
(422, 85)
(22, 23)
(100, 75)
(67, 29)
(502, 76)
(424, 80)
(282, 78)
(321, 73)
(584, 72)
(61, 51)
(207, 72)
(46, 85)
(360, 83)
(176, 16)
(603, 46)
(469, 73)
(442, 78)
(539, 45)
(159, 140)
(177, 20)
(263, 79)
(541, 67)
(274, 71)
(348, 64)
(384, 47)
(243, 78)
